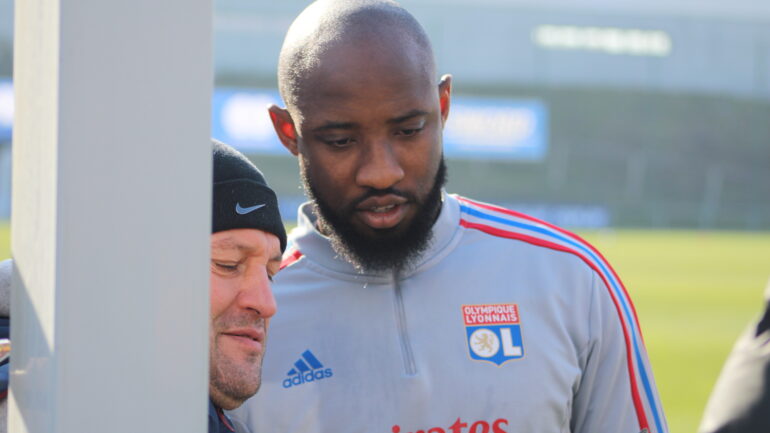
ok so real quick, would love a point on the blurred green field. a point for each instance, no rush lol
(694, 293)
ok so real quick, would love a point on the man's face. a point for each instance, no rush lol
(242, 263)
(369, 142)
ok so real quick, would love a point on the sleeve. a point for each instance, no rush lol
(617, 391)
(740, 401)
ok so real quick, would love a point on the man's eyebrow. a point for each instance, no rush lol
(410, 115)
(350, 125)
(229, 244)
(334, 125)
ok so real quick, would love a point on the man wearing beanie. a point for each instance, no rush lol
(247, 240)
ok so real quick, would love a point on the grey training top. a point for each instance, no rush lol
(506, 324)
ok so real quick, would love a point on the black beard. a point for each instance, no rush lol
(395, 248)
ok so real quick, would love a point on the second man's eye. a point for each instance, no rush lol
(338, 142)
(411, 129)
(410, 132)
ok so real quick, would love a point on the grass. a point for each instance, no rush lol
(694, 293)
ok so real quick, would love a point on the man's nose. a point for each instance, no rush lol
(256, 293)
(379, 166)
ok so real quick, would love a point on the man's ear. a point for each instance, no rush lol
(444, 96)
(284, 127)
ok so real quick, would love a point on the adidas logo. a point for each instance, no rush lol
(307, 369)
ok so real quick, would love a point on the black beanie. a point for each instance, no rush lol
(242, 198)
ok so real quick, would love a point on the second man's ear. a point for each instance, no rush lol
(284, 127)
(444, 95)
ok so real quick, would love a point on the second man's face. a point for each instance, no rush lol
(370, 139)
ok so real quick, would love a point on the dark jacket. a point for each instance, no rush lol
(740, 402)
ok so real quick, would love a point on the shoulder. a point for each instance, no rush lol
(290, 257)
(500, 222)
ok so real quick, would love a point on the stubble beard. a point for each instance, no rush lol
(392, 249)
(236, 380)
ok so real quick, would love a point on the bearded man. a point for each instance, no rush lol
(408, 309)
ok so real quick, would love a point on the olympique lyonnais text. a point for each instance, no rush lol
(491, 314)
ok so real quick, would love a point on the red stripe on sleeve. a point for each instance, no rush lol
(291, 258)
(641, 415)
(567, 233)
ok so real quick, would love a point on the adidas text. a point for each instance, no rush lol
(308, 376)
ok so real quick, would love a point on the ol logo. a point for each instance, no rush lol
(494, 332)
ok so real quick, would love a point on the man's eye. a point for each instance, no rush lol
(226, 267)
(409, 132)
(340, 142)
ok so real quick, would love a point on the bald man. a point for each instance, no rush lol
(407, 309)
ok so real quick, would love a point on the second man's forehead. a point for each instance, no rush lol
(354, 57)
(395, 91)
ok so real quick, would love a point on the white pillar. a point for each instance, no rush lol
(111, 216)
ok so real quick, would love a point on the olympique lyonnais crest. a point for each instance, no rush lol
(494, 332)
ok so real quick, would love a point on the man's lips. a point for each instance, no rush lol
(248, 336)
(380, 201)
(382, 212)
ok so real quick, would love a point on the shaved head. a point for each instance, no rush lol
(364, 115)
(373, 28)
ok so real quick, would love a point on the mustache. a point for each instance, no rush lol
(373, 192)
(240, 321)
